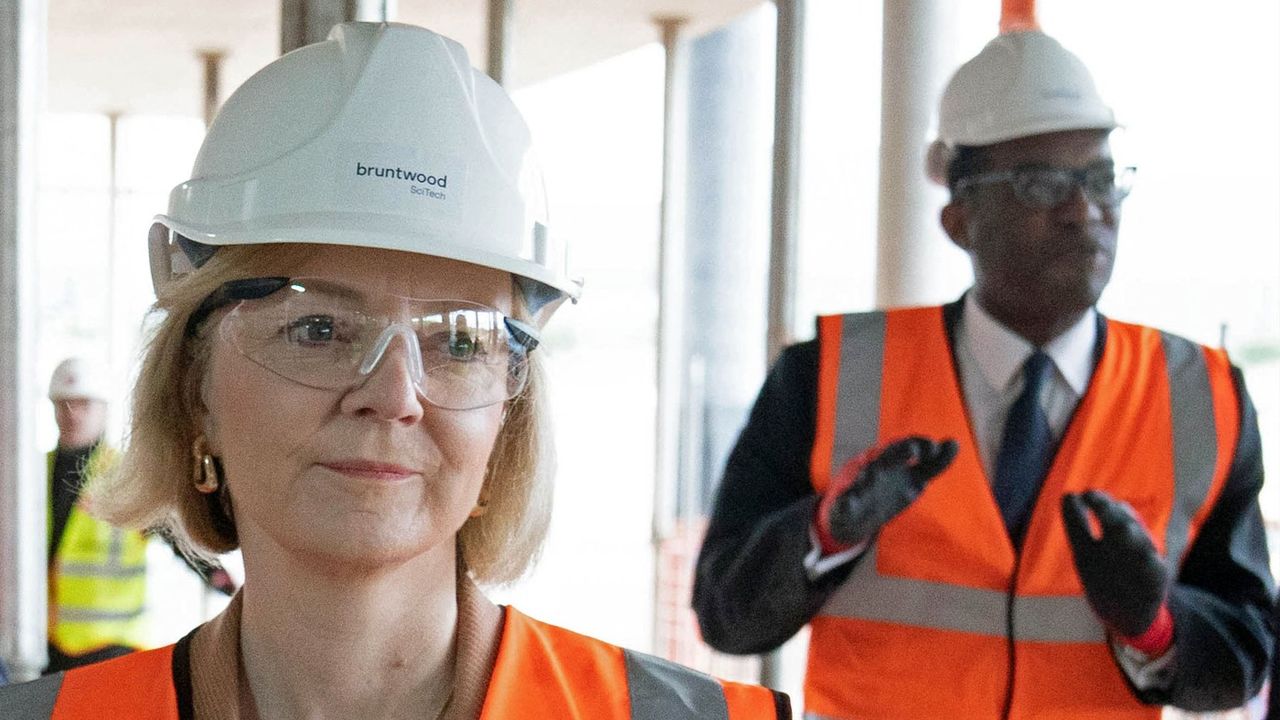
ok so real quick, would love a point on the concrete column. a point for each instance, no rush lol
(671, 280)
(114, 351)
(303, 22)
(730, 118)
(788, 86)
(729, 279)
(787, 97)
(376, 10)
(23, 593)
(211, 62)
(913, 73)
(501, 14)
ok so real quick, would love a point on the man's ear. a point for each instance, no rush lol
(955, 220)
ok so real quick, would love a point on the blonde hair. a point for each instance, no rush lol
(151, 485)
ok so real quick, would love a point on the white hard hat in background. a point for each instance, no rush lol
(1022, 83)
(382, 136)
(78, 378)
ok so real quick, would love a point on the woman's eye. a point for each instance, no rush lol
(311, 330)
(463, 346)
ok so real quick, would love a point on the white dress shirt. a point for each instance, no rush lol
(990, 357)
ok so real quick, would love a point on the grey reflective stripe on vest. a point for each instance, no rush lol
(922, 603)
(816, 716)
(31, 701)
(868, 595)
(89, 615)
(1195, 438)
(112, 567)
(858, 387)
(1056, 618)
(662, 690)
(100, 571)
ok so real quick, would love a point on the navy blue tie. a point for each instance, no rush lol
(1025, 451)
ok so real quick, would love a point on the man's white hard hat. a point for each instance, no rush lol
(1022, 83)
(77, 378)
(382, 136)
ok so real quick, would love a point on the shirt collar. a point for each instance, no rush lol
(1000, 352)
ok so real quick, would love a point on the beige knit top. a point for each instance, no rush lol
(220, 690)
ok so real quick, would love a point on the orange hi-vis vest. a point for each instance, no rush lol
(942, 617)
(542, 672)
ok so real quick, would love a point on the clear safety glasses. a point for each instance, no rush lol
(328, 335)
(1044, 188)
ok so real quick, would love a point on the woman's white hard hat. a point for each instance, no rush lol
(1023, 83)
(382, 136)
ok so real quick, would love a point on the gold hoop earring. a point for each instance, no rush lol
(204, 471)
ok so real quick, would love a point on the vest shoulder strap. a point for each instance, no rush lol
(570, 675)
(31, 700)
(97, 691)
(851, 351)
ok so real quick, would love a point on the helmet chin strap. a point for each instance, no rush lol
(540, 299)
(197, 253)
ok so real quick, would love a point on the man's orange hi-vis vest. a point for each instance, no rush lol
(541, 672)
(942, 618)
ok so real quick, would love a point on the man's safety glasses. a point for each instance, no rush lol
(1044, 188)
(328, 335)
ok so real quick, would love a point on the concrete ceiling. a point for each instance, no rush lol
(142, 56)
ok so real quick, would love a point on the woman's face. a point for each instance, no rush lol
(364, 477)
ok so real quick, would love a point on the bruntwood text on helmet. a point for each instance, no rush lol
(396, 173)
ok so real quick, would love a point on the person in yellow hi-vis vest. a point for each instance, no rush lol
(97, 572)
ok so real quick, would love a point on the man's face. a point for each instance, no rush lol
(1033, 266)
(81, 421)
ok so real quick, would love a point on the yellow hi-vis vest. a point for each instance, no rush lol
(97, 583)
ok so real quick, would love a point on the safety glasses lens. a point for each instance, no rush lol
(322, 335)
(1050, 187)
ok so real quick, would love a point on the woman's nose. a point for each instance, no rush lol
(392, 372)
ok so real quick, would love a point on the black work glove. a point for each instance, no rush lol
(874, 487)
(1124, 578)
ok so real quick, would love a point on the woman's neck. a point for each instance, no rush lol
(325, 645)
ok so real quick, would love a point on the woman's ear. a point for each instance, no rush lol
(205, 421)
(209, 429)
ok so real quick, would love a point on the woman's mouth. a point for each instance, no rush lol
(369, 470)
